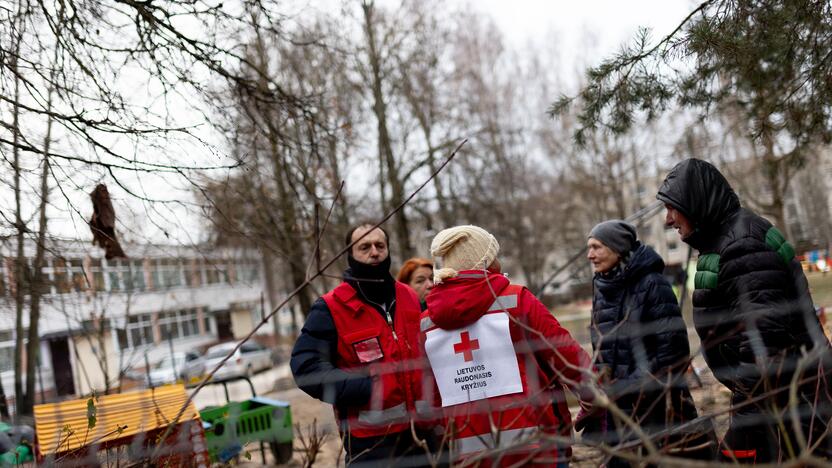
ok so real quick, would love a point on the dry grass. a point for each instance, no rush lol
(821, 285)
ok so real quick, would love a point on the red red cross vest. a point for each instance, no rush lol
(487, 373)
(366, 340)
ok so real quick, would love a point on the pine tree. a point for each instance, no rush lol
(763, 64)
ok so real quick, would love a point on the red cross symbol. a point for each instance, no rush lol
(466, 346)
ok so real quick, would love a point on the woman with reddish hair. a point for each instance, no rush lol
(418, 274)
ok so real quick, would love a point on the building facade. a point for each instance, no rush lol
(101, 318)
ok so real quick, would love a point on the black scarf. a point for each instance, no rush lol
(378, 288)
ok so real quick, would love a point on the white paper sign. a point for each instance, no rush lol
(474, 362)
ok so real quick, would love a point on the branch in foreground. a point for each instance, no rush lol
(292, 294)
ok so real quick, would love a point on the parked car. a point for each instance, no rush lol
(188, 366)
(249, 359)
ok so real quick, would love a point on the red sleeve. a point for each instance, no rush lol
(553, 344)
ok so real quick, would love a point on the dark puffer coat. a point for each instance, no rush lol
(637, 327)
(752, 308)
(642, 345)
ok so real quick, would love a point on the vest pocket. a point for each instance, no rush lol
(365, 345)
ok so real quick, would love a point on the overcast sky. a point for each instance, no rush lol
(585, 32)
(576, 24)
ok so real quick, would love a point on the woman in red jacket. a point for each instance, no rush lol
(499, 358)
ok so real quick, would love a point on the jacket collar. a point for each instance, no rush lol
(348, 296)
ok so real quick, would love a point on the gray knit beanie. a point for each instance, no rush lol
(619, 236)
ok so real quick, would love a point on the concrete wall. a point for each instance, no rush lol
(88, 360)
(242, 322)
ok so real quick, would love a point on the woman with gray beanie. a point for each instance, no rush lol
(641, 346)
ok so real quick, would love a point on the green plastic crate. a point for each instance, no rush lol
(229, 428)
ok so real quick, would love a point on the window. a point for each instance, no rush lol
(256, 313)
(121, 335)
(114, 269)
(178, 324)
(232, 273)
(46, 285)
(76, 272)
(170, 271)
(222, 270)
(194, 273)
(139, 330)
(136, 276)
(97, 274)
(168, 326)
(247, 272)
(6, 350)
(60, 277)
(2, 276)
(20, 279)
(211, 273)
(156, 282)
(190, 322)
(249, 347)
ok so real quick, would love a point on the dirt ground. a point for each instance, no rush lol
(310, 415)
(711, 397)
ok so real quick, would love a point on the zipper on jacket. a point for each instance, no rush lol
(390, 320)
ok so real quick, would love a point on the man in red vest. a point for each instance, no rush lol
(359, 351)
(498, 357)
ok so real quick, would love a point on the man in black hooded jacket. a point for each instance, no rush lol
(755, 318)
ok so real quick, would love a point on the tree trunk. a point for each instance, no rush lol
(290, 241)
(20, 261)
(385, 147)
(775, 171)
(103, 360)
(426, 126)
(271, 288)
(777, 205)
(36, 286)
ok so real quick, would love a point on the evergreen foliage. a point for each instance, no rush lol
(767, 63)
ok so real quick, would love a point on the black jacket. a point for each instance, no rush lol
(637, 327)
(640, 338)
(314, 353)
(313, 362)
(752, 307)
